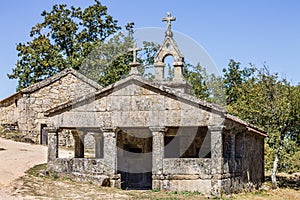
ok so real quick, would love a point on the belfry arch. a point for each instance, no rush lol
(169, 48)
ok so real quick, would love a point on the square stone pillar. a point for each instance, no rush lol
(98, 145)
(79, 144)
(216, 158)
(110, 150)
(159, 71)
(110, 156)
(158, 134)
(178, 72)
(232, 147)
(52, 146)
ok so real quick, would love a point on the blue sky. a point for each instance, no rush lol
(253, 31)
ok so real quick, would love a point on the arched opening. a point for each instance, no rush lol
(169, 68)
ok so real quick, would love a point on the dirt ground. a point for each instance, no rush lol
(15, 159)
(20, 178)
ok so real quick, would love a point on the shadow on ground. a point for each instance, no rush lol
(291, 181)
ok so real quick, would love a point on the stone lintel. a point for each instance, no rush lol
(107, 129)
(51, 129)
(216, 128)
(158, 129)
(97, 135)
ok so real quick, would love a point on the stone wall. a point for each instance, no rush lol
(243, 161)
(136, 106)
(32, 105)
(9, 115)
(86, 170)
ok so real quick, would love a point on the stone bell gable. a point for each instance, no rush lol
(23, 111)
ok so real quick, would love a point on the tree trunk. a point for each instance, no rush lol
(275, 164)
(274, 170)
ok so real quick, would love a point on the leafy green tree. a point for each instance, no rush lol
(64, 38)
(272, 104)
(109, 61)
(216, 90)
(197, 76)
(234, 78)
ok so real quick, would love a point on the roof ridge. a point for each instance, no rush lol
(163, 88)
(58, 76)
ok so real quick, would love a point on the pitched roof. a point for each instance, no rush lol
(58, 76)
(47, 82)
(248, 126)
(10, 99)
(146, 83)
(190, 99)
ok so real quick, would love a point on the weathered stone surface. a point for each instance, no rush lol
(142, 110)
(187, 166)
(157, 149)
(202, 186)
(27, 110)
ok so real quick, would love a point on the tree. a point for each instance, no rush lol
(62, 40)
(197, 76)
(109, 61)
(272, 104)
(234, 78)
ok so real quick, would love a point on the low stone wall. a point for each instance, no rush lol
(184, 174)
(187, 166)
(86, 170)
(81, 165)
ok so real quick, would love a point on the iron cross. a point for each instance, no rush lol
(168, 19)
(134, 50)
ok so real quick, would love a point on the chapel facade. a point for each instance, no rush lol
(156, 135)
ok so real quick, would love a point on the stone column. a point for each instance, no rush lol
(178, 74)
(232, 148)
(216, 158)
(110, 156)
(110, 150)
(98, 145)
(157, 155)
(159, 71)
(52, 146)
(79, 144)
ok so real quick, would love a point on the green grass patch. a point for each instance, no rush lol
(35, 171)
(260, 193)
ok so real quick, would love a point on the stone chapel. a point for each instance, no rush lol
(157, 135)
(145, 134)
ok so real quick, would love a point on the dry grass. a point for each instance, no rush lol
(34, 186)
(15, 136)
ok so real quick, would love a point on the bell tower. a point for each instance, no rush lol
(170, 48)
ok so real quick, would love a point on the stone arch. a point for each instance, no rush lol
(169, 48)
(169, 67)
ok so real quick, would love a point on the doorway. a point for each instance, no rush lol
(135, 159)
(43, 135)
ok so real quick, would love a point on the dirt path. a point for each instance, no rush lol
(15, 159)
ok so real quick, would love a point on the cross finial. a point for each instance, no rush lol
(134, 50)
(169, 19)
(134, 64)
